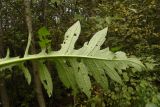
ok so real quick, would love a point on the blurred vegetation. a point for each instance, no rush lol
(134, 27)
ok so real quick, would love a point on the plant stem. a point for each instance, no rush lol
(3, 90)
(4, 96)
(37, 83)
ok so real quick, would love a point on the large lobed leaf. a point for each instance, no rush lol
(75, 66)
(90, 59)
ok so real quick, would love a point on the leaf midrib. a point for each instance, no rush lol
(14, 60)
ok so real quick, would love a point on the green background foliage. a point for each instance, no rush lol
(134, 27)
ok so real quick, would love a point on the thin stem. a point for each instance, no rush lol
(37, 82)
(28, 44)
(29, 25)
(74, 100)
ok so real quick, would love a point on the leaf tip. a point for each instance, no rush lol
(78, 23)
(106, 29)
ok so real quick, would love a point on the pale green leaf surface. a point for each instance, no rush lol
(74, 66)
(98, 73)
(81, 76)
(66, 73)
(45, 77)
(70, 38)
(26, 73)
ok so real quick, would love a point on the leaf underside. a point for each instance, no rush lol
(76, 66)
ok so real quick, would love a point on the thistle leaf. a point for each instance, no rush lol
(75, 66)
(26, 73)
(45, 78)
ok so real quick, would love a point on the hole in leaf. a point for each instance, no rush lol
(103, 75)
(75, 34)
(68, 63)
(45, 81)
(79, 60)
(78, 69)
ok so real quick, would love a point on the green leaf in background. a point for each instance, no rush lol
(108, 20)
(114, 49)
(151, 105)
(43, 32)
(43, 35)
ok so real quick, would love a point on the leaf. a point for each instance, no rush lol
(45, 78)
(100, 77)
(150, 66)
(43, 32)
(26, 73)
(151, 105)
(108, 20)
(81, 76)
(114, 49)
(125, 76)
(75, 66)
(70, 38)
(66, 74)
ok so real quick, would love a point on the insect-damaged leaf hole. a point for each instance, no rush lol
(68, 63)
(79, 60)
(45, 82)
(79, 69)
